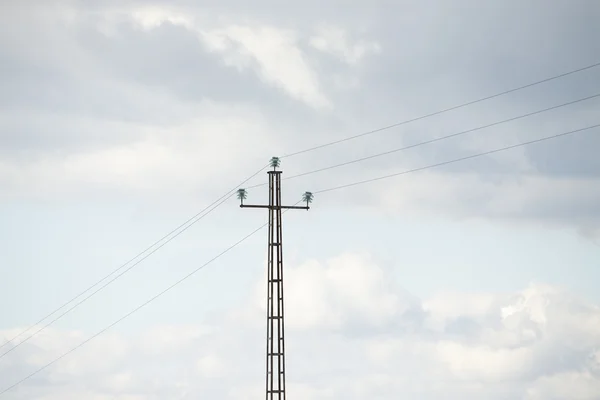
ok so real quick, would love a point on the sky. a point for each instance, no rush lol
(120, 120)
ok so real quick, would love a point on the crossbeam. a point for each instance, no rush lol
(275, 207)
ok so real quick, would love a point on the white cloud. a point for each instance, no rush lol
(169, 339)
(451, 305)
(151, 17)
(344, 291)
(275, 54)
(520, 198)
(211, 366)
(482, 363)
(176, 158)
(335, 41)
(569, 385)
(424, 363)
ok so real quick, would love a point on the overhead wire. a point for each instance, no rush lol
(293, 154)
(230, 193)
(438, 139)
(129, 313)
(543, 139)
(159, 294)
(169, 237)
(110, 281)
(290, 155)
(456, 107)
(264, 225)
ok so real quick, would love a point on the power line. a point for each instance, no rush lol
(443, 111)
(186, 225)
(322, 191)
(131, 312)
(263, 225)
(189, 275)
(112, 280)
(458, 159)
(290, 155)
(435, 139)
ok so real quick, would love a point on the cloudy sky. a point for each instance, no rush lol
(119, 120)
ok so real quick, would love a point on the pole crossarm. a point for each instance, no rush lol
(275, 207)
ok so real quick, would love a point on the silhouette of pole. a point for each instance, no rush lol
(275, 368)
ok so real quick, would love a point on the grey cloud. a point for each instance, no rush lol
(108, 89)
(171, 58)
(165, 60)
(578, 157)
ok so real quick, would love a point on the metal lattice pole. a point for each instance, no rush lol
(275, 365)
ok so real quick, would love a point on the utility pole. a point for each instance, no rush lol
(275, 378)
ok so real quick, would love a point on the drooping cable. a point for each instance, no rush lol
(543, 139)
(438, 139)
(146, 253)
(445, 110)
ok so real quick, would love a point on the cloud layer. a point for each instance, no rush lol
(132, 99)
(351, 333)
(176, 101)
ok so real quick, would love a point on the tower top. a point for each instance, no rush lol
(275, 162)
